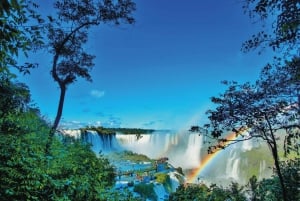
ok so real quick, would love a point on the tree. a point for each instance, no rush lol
(20, 32)
(202, 192)
(269, 189)
(263, 109)
(14, 100)
(282, 83)
(291, 169)
(272, 103)
(280, 28)
(68, 33)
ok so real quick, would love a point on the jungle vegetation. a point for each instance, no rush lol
(34, 165)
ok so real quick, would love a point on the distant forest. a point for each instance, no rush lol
(102, 130)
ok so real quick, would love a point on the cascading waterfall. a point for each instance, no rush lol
(152, 145)
(160, 191)
(262, 168)
(183, 150)
(174, 180)
(232, 166)
(72, 133)
(101, 142)
(186, 153)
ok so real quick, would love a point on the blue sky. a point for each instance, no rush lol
(158, 73)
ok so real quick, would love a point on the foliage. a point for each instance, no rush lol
(72, 173)
(14, 98)
(202, 193)
(281, 24)
(78, 174)
(20, 32)
(270, 189)
(123, 195)
(21, 174)
(191, 192)
(132, 130)
(264, 190)
(281, 83)
(100, 130)
(259, 110)
(75, 173)
(162, 178)
(128, 155)
(146, 191)
(291, 173)
(103, 130)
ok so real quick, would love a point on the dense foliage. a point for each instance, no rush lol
(128, 156)
(102, 130)
(202, 193)
(146, 191)
(19, 33)
(72, 173)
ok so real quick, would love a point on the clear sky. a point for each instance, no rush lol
(158, 73)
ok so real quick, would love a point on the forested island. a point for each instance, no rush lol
(103, 130)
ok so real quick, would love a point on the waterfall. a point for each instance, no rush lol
(247, 145)
(174, 180)
(72, 133)
(232, 166)
(160, 191)
(186, 152)
(182, 149)
(262, 168)
(152, 145)
(99, 142)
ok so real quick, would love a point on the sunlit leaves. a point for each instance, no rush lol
(18, 33)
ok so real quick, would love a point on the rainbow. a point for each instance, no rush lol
(191, 178)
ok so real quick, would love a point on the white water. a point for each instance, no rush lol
(232, 166)
(174, 180)
(101, 143)
(72, 133)
(160, 191)
(183, 150)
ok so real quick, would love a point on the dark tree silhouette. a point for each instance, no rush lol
(272, 103)
(280, 27)
(263, 109)
(68, 32)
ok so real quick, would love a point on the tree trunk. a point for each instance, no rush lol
(57, 119)
(273, 146)
(278, 170)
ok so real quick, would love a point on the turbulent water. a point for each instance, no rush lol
(183, 149)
